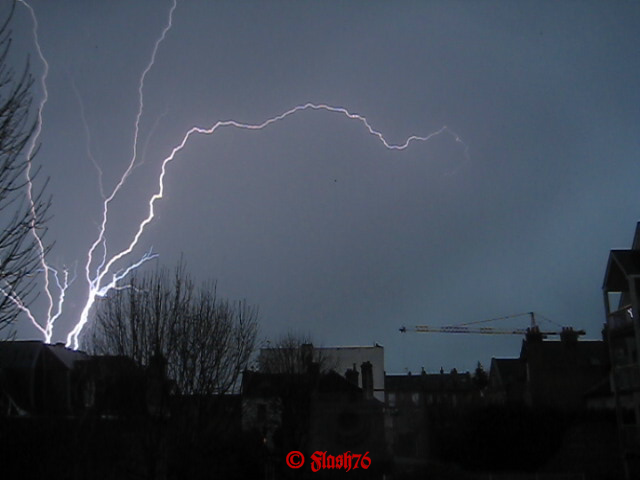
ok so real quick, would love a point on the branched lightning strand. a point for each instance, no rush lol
(99, 278)
(87, 134)
(47, 270)
(72, 339)
(96, 286)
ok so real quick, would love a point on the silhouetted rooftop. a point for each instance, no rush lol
(259, 384)
(429, 382)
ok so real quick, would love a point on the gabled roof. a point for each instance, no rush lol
(27, 369)
(67, 356)
(21, 354)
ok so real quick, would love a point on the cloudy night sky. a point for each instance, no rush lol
(313, 219)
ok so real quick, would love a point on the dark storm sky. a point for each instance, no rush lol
(313, 219)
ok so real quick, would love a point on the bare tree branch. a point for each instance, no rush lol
(20, 219)
(207, 341)
(294, 353)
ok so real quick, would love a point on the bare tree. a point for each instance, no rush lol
(207, 341)
(293, 354)
(22, 210)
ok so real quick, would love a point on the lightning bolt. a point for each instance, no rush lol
(46, 269)
(72, 339)
(96, 286)
(87, 134)
(100, 278)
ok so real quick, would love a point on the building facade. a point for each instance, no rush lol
(621, 291)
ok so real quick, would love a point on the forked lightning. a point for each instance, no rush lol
(103, 277)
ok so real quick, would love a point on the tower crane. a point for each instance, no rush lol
(469, 328)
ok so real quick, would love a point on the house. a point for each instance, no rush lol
(550, 374)
(419, 405)
(344, 358)
(621, 291)
(340, 359)
(314, 411)
(38, 379)
(560, 373)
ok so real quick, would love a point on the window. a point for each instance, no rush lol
(391, 399)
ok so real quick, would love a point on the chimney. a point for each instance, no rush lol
(568, 336)
(367, 379)
(352, 375)
(533, 335)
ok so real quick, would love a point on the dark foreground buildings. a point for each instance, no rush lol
(563, 409)
(66, 414)
(535, 414)
(621, 289)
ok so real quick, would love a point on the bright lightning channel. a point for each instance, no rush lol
(72, 339)
(47, 270)
(97, 287)
(101, 281)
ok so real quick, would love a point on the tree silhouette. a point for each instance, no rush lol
(21, 219)
(206, 341)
